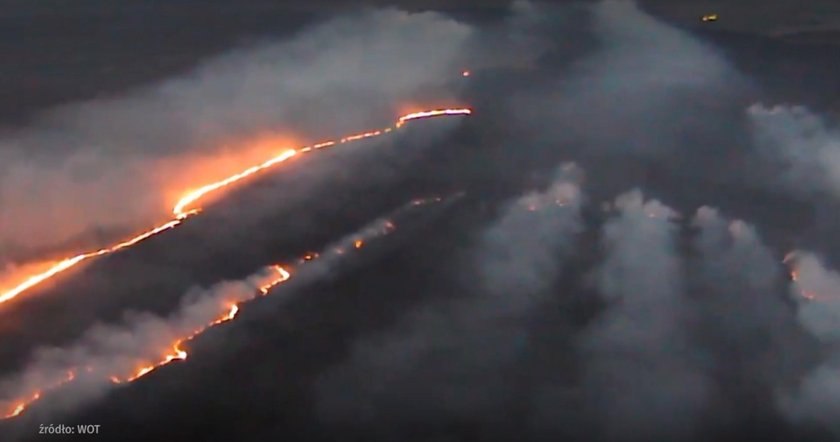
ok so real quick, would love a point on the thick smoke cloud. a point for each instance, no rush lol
(743, 318)
(816, 400)
(820, 312)
(802, 146)
(121, 162)
(694, 329)
(453, 359)
(636, 83)
(640, 377)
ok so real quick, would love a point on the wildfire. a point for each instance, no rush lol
(182, 209)
(175, 351)
(793, 261)
(431, 114)
(65, 264)
(21, 405)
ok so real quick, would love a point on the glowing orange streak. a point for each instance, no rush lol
(182, 213)
(70, 262)
(178, 353)
(195, 195)
(23, 404)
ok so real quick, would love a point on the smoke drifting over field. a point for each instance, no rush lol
(122, 162)
(454, 349)
(618, 265)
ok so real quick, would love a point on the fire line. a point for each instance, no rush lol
(176, 352)
(183, 208)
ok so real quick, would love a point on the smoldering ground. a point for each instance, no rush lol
(585, 321)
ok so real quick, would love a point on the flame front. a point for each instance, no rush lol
(179, 354)
(65, 264)
(431, 114)
(175, 351)
(21, 405)
(182, 209)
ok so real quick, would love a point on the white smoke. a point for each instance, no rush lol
(120, 350)
(636, 83)
(744, 320)
(122, 162)
(640, 379)
(453, 358)
(107, 351)
(804, 148)
(820, 315)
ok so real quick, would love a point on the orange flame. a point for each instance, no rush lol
(65, 264)
(20, 406)
(181, 210)
(179, 354)
(431, 114)
(176, 352)
(791, 261)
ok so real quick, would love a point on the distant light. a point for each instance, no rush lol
(709, 17)
(465, 73)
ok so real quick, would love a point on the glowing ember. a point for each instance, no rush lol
(806, 274)
(178, 354)
(61, 266)
(21, 405)
(182, 210)
(430, 114)
(175, 351)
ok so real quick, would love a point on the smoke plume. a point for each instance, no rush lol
(816, 399)
(744, 320)
(641, 379)
(636, 82)
(453, 359)
(111, 354)
(85, 169)
(804, 149)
